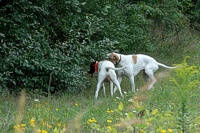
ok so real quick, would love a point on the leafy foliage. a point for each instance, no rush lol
(39, 38)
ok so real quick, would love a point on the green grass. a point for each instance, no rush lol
(159, 110)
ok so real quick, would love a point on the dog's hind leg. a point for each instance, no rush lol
(100, 82)
(152, 79)
(111, 88)
(119, 80)
(146, 77)
(117, 85)
(149, 70)
(104, 90)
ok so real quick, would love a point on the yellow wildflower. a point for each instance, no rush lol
(163, 131)
(109, 121)
(22, 125)
(93, 120)
(49, 126)
(147, 123)
(39, 131)
(76, 104)
(110, 111)
(32, 122)
(117, 125)
(59, 124)
(56, 109)
(170, 130)
(43, 131)
(44, 123)
(17, 127)
(141, 131)
(109, 127)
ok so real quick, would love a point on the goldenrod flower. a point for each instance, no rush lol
(163, 131)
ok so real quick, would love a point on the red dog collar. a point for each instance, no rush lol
(96, 66)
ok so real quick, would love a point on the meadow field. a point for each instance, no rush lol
(172, 106)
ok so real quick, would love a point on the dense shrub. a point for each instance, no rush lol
(60, 38)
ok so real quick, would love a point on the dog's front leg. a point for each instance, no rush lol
(132, 83)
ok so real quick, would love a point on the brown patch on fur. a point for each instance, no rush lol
(113, 57)
(134, 57)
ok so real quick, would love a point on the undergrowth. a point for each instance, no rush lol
(172, 106)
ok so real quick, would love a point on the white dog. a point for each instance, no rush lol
(106, 70)
(136, 63)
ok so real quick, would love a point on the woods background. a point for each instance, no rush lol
(39, 38)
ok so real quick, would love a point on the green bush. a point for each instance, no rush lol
(39, 38)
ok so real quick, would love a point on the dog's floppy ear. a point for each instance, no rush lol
(113, 57)
(109, 56)
(92, 68)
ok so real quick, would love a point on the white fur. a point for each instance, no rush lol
(103, 73)
(142, 62)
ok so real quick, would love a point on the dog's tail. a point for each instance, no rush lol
(116, 69)
(160, 64)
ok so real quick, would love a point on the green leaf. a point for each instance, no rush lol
(155, 111)
(120, 106)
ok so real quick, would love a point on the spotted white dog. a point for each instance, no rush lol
(136, 63)
(106, 70)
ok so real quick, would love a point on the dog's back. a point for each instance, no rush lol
(105, 65)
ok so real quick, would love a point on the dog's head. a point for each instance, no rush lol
(113, 57)
(93, 67)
